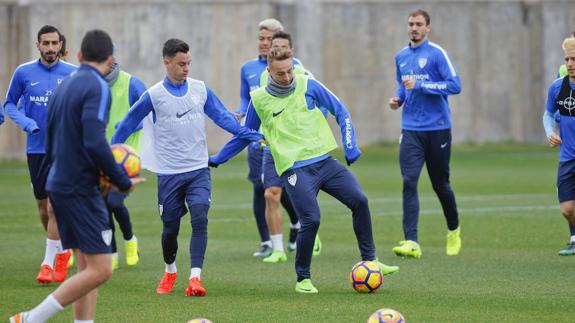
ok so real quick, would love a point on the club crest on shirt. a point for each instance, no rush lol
(292, 179)
(107, 236)
(421, 62)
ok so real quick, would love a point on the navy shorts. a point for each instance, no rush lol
(83, 222)
(39, 167)
(174, 191)
(255, 157)
(270, 176)
(566, 181)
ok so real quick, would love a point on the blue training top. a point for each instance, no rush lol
(566, 123)
(316, 95)
(425, 107)
(76, 136)
(32, 84)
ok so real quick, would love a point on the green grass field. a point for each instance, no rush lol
(508, 270)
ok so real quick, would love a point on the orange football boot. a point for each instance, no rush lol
(61, 266)
(195, 288)
(45, 275)
(167, 283)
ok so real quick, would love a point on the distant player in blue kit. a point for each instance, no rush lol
(251, 73)
(425, 78)
(126, 89)
(174, 147)
(561, 98)
(300, 140)
(33, 84)
(77, 149)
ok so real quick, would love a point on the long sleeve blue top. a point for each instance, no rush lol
(76, 143)
(425, 107)
(213, 108)
(316, 95)
(33, 84)
(566, 123)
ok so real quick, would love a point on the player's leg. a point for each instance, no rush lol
(122, 215)
(340, 183)
(38, 166)
(83, 224)
(171, 197)
(438, 154)
(255, 157)
(566, 195)
(274, 218)
(411, 159)
(198, 195)
(113, 245)
(302, 185)
(294, 221)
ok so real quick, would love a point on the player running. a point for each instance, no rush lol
(33, 84)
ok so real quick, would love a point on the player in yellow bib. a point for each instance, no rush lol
(300, 141)
(126, 90)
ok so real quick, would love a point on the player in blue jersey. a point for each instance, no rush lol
(250, 80)
(425, 78)
(77, 149)
(33, 84)
(126, 90)
(561, 99)
(174, 147)
(300, 140)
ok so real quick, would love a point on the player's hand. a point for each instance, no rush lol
(136, 181)
(554, 140)
(213, 164)
(239, 116)
(352, 156)
(409, 84)
(394, 103)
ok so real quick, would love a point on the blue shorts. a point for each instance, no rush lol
(83, 222)
(270, 176)
(255, 157)
(566, 181)
(39, 166)
(174, 191)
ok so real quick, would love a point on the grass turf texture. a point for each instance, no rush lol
(508, 269)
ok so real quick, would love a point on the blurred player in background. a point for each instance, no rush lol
(561, 107)
(126, 90)
(425, 78)
(33, 84)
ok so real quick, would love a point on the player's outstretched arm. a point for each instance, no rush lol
(237, 144)
(133, 119)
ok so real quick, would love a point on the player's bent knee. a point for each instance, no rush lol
(273, 194)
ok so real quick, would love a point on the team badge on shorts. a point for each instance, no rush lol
(421, 62)
(292, 179)
(107, 236)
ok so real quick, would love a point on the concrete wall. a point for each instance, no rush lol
(506, 52)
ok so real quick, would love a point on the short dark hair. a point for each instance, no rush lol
(96, 46)
(173, 46)
(47, 29)
(573, 33)
(283, 35)
(421, 12)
